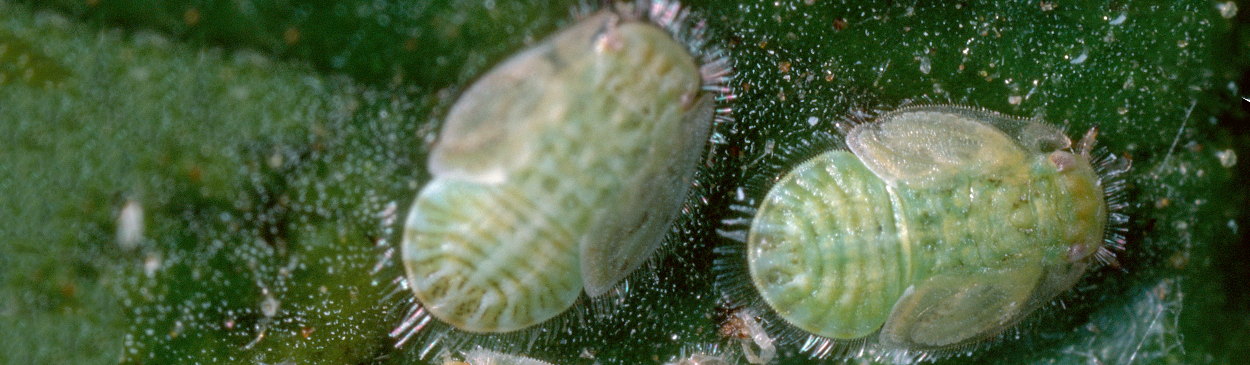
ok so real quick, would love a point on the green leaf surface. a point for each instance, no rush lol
(273, 146)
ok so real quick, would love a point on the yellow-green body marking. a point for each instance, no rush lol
(558, 172)
(941, 226)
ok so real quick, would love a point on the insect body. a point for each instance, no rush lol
(558, 172)
(941, 226)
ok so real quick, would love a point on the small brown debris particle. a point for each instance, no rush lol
(191, 16)
(291, 35)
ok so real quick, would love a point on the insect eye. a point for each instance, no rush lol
(1063, 160)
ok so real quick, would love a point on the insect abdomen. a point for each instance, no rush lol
(826, 251)
(488, 258)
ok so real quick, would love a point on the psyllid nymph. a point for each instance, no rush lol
(560, 170)
(938, 227)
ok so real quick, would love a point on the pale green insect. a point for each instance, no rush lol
(559, 171)
(943, 225)
(480, 356)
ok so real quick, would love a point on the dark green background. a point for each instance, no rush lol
(265, 141)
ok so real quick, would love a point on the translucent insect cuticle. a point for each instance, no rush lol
(897, 243)
(560, 171)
